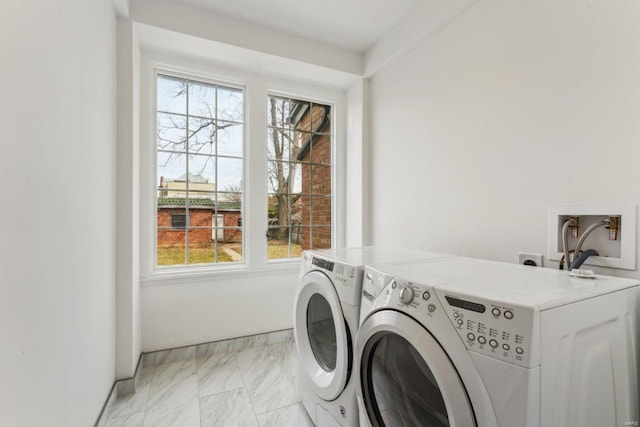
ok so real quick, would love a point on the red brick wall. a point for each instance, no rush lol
(312, 120)
(316, 209)
(198, 218)
(231, 220)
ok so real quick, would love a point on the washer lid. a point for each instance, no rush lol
(322, 337)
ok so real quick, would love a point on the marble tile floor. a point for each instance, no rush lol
(247, 381)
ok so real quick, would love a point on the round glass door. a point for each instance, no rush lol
(322, 332)
(402, 389)
(406, 378)
(322, 336)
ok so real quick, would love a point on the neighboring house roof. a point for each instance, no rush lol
(229, 206)
(191, 177)
(173, 202)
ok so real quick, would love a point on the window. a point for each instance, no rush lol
(199, 176)
(236, 176)
(298, 176)
(178, 220)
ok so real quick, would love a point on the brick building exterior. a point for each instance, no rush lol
(315, 156)
(172, 228)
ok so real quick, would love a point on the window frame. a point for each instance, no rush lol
(163, 71)
(256, 87)
(334, 160)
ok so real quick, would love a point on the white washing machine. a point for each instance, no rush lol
(326, 315)
(465, 342)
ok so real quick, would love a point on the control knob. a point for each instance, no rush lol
(406, 295)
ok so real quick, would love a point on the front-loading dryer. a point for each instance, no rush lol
(326, 316)
(466, 342)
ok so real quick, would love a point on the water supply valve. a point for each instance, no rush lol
(612, 224)
(574, 226)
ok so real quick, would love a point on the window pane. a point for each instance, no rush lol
(172, 95)
(172, 168)
(171, 132)
(320, 179)
(171, 255)
(199, 197)
(301, 147)
(321, 237)
(305, 237)
(230, 202)
(272, 210)
(284, 242)
(321, 149)
(171, 236)
(202, 100)
(169, 200)
(277, 173)
(230, 104)
(230, 139)
(303, 178)
(231, 240)
(202, 173)
(201, 246)
(300, 118)
(229, 244)
(284, 232)
(279, 144)
(315, 237)
(202, 136)
(279, 214)
(200, 216)
(302, 208)
(295, 178)
(278, 112)
(277, 247)
(229, 174)
(215, 244)
(321, 210)
(321, 119)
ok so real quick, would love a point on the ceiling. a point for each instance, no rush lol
(352, 24)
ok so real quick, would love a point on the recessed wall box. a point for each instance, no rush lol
(619, 253)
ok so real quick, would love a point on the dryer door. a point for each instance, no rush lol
(322, 337)
(405, 377)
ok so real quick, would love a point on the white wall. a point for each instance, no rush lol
(510, 109)
(57, 265)
(355, 170)
(128, 205)
(198, 311)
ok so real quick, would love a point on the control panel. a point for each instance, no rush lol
(496, 330)
(409, 294)
(345, 274)
(341, 274)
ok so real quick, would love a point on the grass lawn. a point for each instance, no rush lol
(176, 255)
(279, 249)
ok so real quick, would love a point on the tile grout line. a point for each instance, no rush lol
(198, 363)
(146, 404)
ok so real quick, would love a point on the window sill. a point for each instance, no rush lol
(178, 276)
